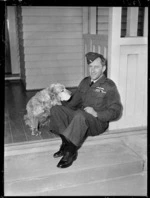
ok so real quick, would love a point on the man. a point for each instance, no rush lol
(95, 103)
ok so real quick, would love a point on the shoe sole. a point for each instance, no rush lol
(58, 156)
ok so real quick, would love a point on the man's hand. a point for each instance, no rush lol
(91, 111)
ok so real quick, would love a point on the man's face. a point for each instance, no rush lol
(96, 69)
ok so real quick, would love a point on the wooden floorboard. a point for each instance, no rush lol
(7, 136)
(17, 129)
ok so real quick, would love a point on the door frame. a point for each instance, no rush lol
(13, 39)
(115, 45)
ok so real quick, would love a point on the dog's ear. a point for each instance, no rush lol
(55, 100)
(52, 96)
(52, 88)
(56, 88)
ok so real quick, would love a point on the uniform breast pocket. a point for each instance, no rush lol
(98, 98)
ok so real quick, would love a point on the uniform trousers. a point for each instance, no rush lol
(75, 125)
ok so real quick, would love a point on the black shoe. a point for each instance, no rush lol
(67, 159)
(61, 151)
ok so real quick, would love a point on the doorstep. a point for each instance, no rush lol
(99, 160)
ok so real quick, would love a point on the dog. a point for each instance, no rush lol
(38, 107)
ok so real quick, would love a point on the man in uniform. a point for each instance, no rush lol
(95, 103)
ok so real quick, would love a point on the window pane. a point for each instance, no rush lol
(124, 22)
(140, 21)
(140, 28)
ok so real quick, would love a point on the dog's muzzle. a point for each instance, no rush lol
(65, 95)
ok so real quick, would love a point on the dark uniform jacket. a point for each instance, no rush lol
(103, 96)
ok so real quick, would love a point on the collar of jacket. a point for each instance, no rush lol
(101, 80)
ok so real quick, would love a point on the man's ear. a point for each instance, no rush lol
(104, 68)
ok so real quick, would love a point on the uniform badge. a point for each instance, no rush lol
(100, 89)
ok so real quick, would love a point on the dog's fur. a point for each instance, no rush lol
(38, 107)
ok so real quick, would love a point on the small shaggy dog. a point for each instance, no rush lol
(38, 107)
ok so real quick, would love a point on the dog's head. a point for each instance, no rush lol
(59, 92)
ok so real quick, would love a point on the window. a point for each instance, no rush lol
(123, 21)
(140, 21)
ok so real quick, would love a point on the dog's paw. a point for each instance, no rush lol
(38, 133)
(33, 133)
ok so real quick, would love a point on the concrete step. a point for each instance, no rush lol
(130, 185)
(49, 144)
(37, 174)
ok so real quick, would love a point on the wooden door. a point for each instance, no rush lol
(127, 62)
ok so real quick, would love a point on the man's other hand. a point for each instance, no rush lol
(91, 111)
